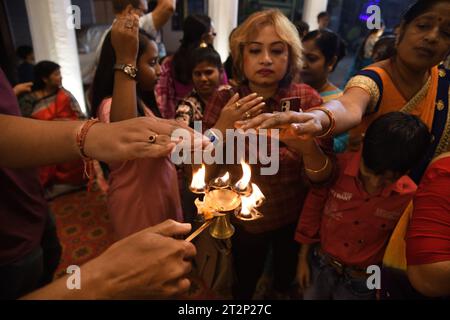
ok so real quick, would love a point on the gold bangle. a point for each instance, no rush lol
(330, 131)
(320, 170)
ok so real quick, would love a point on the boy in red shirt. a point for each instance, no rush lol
(345, 227)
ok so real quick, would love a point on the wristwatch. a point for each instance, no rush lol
(128, 69)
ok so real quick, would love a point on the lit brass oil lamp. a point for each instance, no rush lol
(223, 199)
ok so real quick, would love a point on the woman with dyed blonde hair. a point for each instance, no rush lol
(285, 30)
(266, 51)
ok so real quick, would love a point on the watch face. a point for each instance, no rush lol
(129, 70)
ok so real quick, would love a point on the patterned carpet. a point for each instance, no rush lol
(85, 231)
(83, 226)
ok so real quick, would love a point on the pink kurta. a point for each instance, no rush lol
(142, 192)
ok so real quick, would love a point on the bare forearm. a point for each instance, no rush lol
(26, 142)
(304, 251)
(348, 110)
(123, 105)
(318, 166)
(432, 279)
(162, 13)
(345, 118)
(91, 287)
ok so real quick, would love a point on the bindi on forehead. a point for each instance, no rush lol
(434, 17)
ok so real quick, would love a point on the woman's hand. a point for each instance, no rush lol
(306, 124)
(239, 109)
(125, 38)
(144, 137)
(298, 143)
(22, 88)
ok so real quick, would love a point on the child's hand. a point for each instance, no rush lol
(303, 273)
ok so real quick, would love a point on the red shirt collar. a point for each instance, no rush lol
(402, 186)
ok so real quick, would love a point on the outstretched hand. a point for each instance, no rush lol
(303, 124)
(143, 137)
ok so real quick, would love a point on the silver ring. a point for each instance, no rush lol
(129, 24)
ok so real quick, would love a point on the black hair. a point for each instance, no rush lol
(152, 4)
(388, 44)
(204, 54)
(120, 5)
(103, 84)
(24, 51)
(302, 27)
(329, 43)
(194, 27)
(418, 8)
(395, 142)
(43, 70)
(323, 14)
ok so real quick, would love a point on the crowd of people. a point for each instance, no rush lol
(364, 170)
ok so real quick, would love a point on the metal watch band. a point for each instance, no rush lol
(128, 69)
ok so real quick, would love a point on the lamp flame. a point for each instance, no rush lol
(251, 202)
(198, 184)
(242, 186)
(225, 177)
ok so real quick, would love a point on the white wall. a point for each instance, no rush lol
(53, 40)
(224, 14)
(311, 8)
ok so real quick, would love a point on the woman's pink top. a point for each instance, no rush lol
(142, 192)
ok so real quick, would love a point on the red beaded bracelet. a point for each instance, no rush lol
(81, 136)
(89, 170)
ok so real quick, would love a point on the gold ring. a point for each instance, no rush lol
(129, 24)
(152, 138)
(237, 104)
(247, 115)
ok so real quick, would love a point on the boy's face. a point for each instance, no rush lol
(324, 22)
(374, 183)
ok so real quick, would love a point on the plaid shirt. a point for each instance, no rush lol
(286, 190)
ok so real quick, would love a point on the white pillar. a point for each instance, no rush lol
(54, 40)
(224, 14)
(311, 8)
